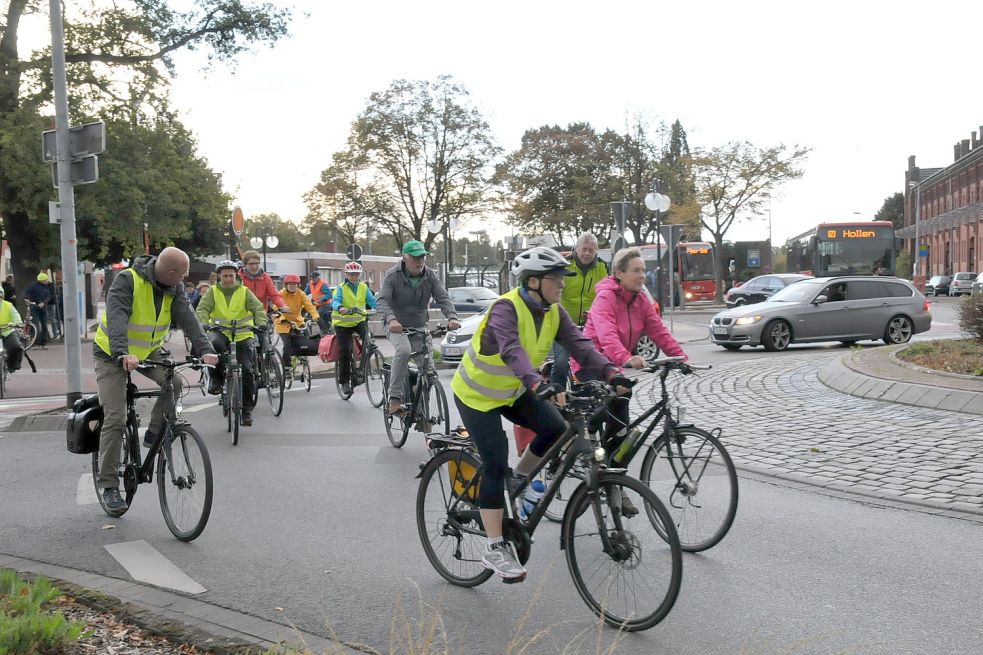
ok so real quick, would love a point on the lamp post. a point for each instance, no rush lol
(309, 246)
(266, 240)
(917, 186)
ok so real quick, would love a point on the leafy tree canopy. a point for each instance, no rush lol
(892, 210)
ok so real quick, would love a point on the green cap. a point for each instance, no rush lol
(414, 248)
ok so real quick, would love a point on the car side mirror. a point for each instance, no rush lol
(469, 299)
(820, 300)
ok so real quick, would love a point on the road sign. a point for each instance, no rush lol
(753, 258)
(238, 221)
(354, 252)
(923, 250)
(620, 211)
(54, 212)
(87, 139)
(671, 232)
(84, 171)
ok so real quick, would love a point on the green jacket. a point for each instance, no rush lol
(207, 304)
(578, 294)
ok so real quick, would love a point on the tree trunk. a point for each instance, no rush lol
(25, 252)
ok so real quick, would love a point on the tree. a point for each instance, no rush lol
(419, 153)
(561, 180)
(733, 181)
(290, 236)
(119, 63)
(892, 210)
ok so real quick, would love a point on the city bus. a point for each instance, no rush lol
(694, 261)
(850, 248)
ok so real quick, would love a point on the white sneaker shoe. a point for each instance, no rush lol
(501, 559)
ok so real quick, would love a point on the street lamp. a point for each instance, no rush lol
(918, 214)
(309, 246)
(267, 240)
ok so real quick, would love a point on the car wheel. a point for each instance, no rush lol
(646, 348)
(733, 347)
(899, 330)
(776, 336)
(740, 301)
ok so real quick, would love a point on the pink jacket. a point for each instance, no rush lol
(264, 289)
(618, 319)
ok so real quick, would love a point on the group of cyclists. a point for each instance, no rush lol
(579, 308)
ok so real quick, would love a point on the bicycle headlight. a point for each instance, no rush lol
(747, 320)
(178, 408)
(599, 454)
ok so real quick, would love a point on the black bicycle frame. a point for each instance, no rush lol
(169, 421)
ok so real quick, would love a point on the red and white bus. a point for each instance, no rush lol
(695, 263)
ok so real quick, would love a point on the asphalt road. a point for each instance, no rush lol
(314, 514)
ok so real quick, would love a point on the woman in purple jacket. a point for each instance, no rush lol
(620, 315)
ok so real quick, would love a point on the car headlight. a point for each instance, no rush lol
(747, 320)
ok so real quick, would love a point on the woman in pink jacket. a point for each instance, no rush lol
(620, 315)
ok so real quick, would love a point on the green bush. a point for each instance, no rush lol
(902, 265)
(25, 628)
(971, 316)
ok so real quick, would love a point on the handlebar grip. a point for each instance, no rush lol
(547, 391)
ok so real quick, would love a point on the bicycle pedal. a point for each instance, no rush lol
(521, 578)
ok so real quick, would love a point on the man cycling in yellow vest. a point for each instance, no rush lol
(225, 302)
(350, 294)
(10, 324)
(499, 377)
(298, 303)
(140, 306)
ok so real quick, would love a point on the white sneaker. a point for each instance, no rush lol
(501, 559)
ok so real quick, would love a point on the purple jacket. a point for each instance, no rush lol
(618, 319)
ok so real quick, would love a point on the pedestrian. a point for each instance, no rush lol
(321, 295)
(8, 289)
(587, 270)
(135, 325)
(200, 291)
(38, 295)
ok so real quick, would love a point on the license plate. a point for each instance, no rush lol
(453, 350)
(718, 329)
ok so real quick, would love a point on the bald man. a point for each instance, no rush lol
(140, 306)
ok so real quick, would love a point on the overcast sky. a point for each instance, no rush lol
(864, 84)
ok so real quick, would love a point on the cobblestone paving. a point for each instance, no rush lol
(778, 418)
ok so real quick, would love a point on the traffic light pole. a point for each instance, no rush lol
(66, 206)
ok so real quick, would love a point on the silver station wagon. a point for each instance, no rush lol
(845, 309)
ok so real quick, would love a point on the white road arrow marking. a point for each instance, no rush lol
(85, 493)
(145, 564)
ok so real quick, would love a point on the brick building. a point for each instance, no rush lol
(950, 221)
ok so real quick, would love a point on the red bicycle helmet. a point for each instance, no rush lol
(291, 277)
(353, 267)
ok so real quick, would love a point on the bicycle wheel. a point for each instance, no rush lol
(433, 409)
(3, 375)
(125, 464)
(235, 404)
(290, 373)
(633, 582)
(30, 334)
(184, 483)
(693, 475)
(339, 383)
(273, 371)
(305, 374)
(375, 384)
(447, 517)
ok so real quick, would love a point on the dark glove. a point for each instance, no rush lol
(547, 391)
(619, 380)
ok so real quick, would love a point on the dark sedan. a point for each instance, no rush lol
(938, 285)
(761, 288)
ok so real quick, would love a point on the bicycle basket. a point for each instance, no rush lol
(84, 426)
(306, 346)
(461, 474)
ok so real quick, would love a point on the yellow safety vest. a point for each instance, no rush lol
(145, 331)
(6, 316)
(226, 311)
(484, 382)
(351, 300)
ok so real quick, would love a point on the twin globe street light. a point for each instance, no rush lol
(267, 240)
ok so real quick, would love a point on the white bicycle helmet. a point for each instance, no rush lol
(353, 267)
(539, 261)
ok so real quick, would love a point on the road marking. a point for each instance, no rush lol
(85, 493)
(145, 564)
(198, 408)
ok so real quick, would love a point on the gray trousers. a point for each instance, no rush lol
(404, 346)
(111, 381)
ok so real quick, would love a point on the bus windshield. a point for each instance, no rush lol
(697, 262)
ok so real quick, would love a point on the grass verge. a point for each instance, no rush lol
(963, 356)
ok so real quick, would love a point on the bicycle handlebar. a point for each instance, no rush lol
(194, 362)
(674, 364)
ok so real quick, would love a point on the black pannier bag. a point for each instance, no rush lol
(84, 426)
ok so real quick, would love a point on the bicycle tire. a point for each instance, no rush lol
(185, 491)
(289, 374)
(435, 408)
(124, 463)
(396, 428)
(3, 374)
(273, 371)
(338, 382)
(635, 545)
(375, 383)
(699, 524)
(455, 554)
(30, 334)
(305, 374)
(235, 406)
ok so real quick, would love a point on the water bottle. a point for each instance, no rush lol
(622, 452)
(533, 494)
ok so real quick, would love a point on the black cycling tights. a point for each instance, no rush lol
(486, 431)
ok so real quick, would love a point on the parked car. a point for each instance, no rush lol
(938, 284)
(471, 299)
(962, 282)
(454, 343)
(759, 289)
(846, 309)
(977, 285)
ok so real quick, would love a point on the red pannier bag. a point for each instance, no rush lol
(328, 349)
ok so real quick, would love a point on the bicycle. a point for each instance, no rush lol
(231, 396)
(688, 468)
(369, 368)
(183, 467)
(426, 404)
(299, 365)
(29, 330)
(627, 572)
(4, 371)
(269, 372)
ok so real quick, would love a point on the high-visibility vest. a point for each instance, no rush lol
(579, 290)
(146, 331)
(484, 382)
(6, 316)
(226, 311)
(351, 300)
(317, 293)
